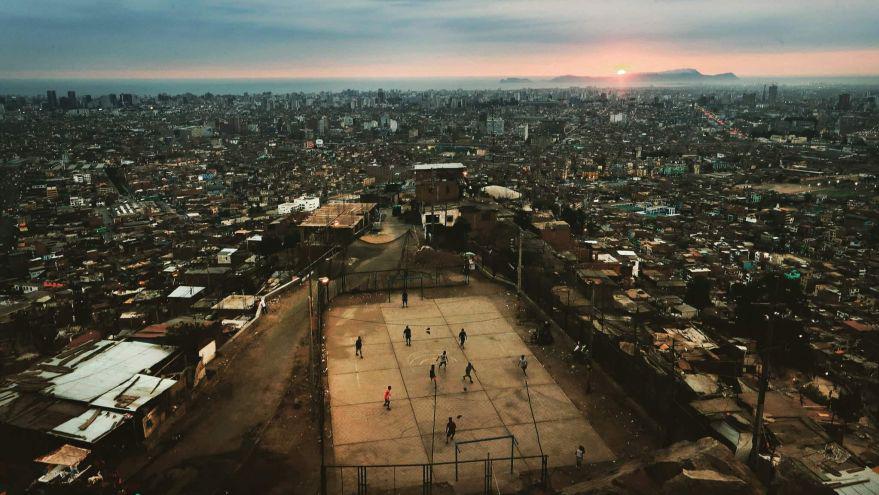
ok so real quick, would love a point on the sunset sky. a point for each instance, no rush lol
(434, 38)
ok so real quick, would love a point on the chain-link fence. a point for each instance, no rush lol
(581, 303)
(487, 475)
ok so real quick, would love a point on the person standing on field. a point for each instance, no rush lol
(467, 372)
(450, 430)
(443, 360)
(358, 347)
(388, 398)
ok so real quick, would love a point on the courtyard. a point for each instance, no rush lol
(412, 432)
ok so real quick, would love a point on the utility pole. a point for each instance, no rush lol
(761, 394)
(519, 265)
(311, 330)
(592, 321)
(321, 305)
(638, 327)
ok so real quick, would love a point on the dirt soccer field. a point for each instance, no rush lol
(413, 430)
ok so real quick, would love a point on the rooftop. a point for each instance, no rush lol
(236, 302)
(185, 292)
(338, 215)
(87, 372)
(437, 166)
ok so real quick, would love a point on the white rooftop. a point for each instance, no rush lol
(436, 166)
(96, 372)
(185, 291)
(90, 426)
(134, 393)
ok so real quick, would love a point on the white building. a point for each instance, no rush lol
(302, 203)
(617, 118)
(82, 178)
(494, 126)
(225, 256)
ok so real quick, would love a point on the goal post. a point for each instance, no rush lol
(498, 438)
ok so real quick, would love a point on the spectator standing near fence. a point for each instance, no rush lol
(405, 299)
(581, 452)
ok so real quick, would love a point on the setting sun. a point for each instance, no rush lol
(621, 72)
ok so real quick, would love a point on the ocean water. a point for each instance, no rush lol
(97, 87)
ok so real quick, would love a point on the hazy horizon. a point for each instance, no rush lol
(223, 39)
(154, 86)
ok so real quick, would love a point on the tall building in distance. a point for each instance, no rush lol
(494, 126)
(52, 98)
(323, 125)
(772, 98)
(845, 102)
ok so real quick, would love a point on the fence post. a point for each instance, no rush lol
(512, 452)
(487, 490)
(544, 471)
(456, 462)
(361, 480)
(426, 479)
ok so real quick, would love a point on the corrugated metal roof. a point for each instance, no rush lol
(437, 166)
(185, 291)
(134, 393)
(861, 482)
(65, 455)
(95, 372)
(90, 426)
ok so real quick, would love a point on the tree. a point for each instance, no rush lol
(575, 218)
(455, 238)
(188, 336)
(698, 292)
(774, 292)
(847, 406)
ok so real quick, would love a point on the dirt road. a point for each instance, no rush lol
(260, 388)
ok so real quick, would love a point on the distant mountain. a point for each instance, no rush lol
(507, 80)
(572, 78)
(676, 76)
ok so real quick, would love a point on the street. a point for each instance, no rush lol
(222, 429)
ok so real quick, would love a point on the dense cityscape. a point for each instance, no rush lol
(694, 265)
